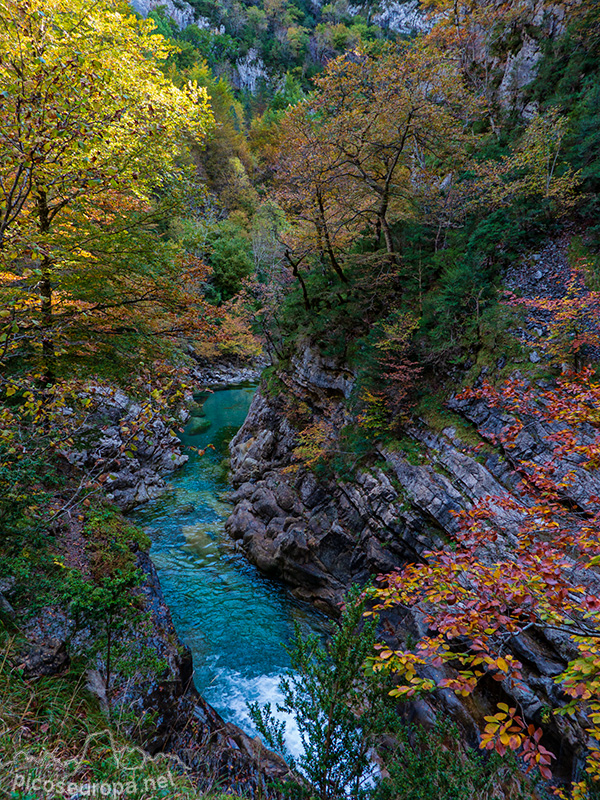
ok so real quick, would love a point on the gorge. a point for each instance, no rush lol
(299, 351)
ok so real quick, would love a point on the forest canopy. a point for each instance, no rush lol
(353, 202)
(96, 156)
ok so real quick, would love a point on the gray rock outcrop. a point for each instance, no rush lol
(133, 449)
(178, 10)
(322, 534)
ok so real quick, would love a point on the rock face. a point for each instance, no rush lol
(135, 467)
(48, 659)
(250, 70)
(509, 65)
(222, 374)
(179, 11)
(318, 537)
(402, 16)
(322, 535)
(514, 65)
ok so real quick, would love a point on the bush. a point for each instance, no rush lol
(432, 764)
(338, 710)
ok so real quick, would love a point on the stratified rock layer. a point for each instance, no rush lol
(321, 536)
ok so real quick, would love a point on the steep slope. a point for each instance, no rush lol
(323, 532)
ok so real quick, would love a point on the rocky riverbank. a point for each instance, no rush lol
(223, 374)
(323, 535)
(166, 715)
(134, 444)
(214, 752)
(153, 696)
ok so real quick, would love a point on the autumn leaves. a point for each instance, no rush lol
(371, 147)
(94, 143)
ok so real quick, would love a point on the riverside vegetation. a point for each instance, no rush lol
(403, 219)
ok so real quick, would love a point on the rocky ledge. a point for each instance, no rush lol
(135, 468)
(323, 535)
(136, 449)
(182, 723)
(226, 374)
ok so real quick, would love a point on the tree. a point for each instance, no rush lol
(496, 584)
(307, 186)
(398, 124)
(94, 141)
(224, 156)
(391, 373)
(337, 710)
(532, 171)
(106, 607)
(376, 144)
(355, 742)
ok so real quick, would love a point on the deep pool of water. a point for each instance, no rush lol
(235, 621)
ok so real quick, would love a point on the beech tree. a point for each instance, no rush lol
(376, 144)
(398, 125)
(308, 188)
(94, 146)
(495, 584)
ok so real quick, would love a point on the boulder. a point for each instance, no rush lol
(45, 659)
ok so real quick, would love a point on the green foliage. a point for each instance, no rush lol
(22, 495)
(355, 449)
(432, 764)
(461, 304)
(288, 95)
(59, 734)
(230, 259)
(111, 538)
(343, 715)
(412, 450)
(105, 606)
(30, 477)
(569, 77)
(165, 26)
(338, 710)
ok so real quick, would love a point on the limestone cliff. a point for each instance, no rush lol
(321, 536)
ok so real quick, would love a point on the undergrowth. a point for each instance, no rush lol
(53, 735)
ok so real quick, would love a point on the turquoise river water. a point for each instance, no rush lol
(234, 620)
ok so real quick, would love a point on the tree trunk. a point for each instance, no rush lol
(108, 662)
(333, 260)
(296, 274)
(389, 243)
(382, 222)
(45, 287)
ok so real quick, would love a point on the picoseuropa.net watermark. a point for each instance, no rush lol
(48, 788)
(103, 768)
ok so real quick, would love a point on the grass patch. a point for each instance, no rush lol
(52, 730)
(412, 450)
(433, 411)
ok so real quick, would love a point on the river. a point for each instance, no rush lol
(235, 621)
